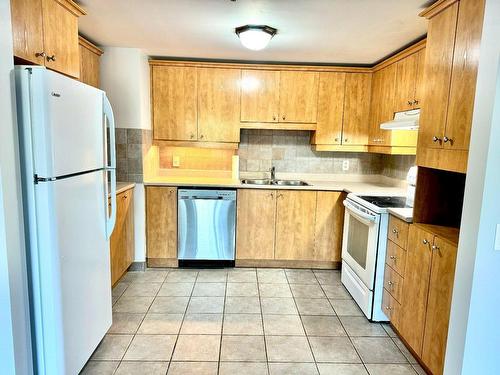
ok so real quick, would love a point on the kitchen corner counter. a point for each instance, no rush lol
(124, 186)
(405, 214)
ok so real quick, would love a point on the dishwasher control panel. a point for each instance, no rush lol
(228, 195)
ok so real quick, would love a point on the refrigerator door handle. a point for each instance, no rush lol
(110, 191)
(110, 165)
(108, 114)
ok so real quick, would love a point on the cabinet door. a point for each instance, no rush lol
(260, 95)
(161, 222)
(328, 226)
(438, 306)
(463, 78)
(256, 223)
(406, 78)
(60, 37)
(89, 66)
(129, 235)
(330, 108)
(174, 91)
(437, 75)
(416, 287)
(382, 104)
(119, 251)
(298, 96)
(27, 30)
(219, 105)
(295, 224)
(356, 124)
(419, 87)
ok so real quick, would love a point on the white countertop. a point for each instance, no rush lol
(405, 214)
(124, 186)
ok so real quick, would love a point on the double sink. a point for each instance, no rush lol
(268, 181)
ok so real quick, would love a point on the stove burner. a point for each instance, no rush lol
(385, 202)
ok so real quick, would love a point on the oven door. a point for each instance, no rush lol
(360, 240)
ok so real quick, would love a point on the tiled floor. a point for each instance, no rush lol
(244, 321)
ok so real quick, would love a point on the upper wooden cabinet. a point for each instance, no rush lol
(356, 121)
(408, 82)
(89, 62)
(450, 74)
(260, 95)
(46, 32)
(298, 96)
(219, 105)
(174, 101)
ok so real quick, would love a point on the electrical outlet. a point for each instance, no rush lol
(176, 161)
(345, 165)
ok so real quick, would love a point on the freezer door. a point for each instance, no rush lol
(71, 271)
(67, 124)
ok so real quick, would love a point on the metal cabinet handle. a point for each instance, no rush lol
(388, 308)
(425, 242)
(192, 136)
(201, 136)
(280, 195)
(274, 118)
(336, 139)
(415, 102)
(283, 117)
(271, 195)
(40, 54)
(390, 282)
(436, 139)
(346, 140)
(393, 257)
(51, 58)
(434, 247)
(125, 196)
(446, 139)
(409, 102)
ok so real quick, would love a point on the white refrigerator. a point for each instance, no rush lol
(66, 133)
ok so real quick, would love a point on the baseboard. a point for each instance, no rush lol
(273, 263)
(162, 262)
(137, 266)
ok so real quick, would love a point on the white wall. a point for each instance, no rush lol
(13, 281)
(474, 333)
(125, 78)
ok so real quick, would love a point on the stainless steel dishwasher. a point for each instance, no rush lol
(206, 229)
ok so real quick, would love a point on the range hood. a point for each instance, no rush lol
(407, 120)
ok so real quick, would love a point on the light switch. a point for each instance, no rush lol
(176, 161)
(497, 238)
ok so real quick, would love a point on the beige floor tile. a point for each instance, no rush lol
(378, 350)
(293, 369)
(336, 291)
(181, 276)
(242, 276)
(130, 277)
(144, 368)
(273, 305)
(100, 368)
(133, 304)
(271, 276)
(237, 305)
(404, 350)
(212, 276)
(327, 277)
(193, 368)
(301, 277)
(288, 349)
(307, 291)
(151, 276)
(169, 305)
(161, 324)
(283, 325)
(360, 326)
(206, 305)
(418, 369)
(333, 349)
(126, 322)
(242, 324)
(390, 369)
(112, 347)
(145, 289)
(322, 326)
(314, 306)
(346, 307)
(243, 348)
(202, 324)
(341, 369)
(209, 289)
(197, 348)
(243, 368)
(275, 290)
(119, 288)
(176, 289)
(242, 289)
(150, 348)
(387, 327)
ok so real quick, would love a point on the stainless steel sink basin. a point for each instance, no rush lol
(266, 181)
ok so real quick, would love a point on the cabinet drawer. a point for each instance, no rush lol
(393, 283)
(398, 231)
(396, 257)
(392, 308)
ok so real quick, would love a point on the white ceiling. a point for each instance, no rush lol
(316, 31)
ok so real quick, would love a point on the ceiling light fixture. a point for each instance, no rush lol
(255, 37)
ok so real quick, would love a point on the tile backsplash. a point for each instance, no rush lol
(131, 146)
(290, 151)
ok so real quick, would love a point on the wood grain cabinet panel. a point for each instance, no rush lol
(392, 309)
(396, 258)
(256, 224)
(219, 105)
(161, 224)
(398, 231)
(27, 30)
(382, 104)
(420, 83)
(330, 108)
(356, 122)
(295, 225)
(393, 283)
(406, 73)
(298, 96)
(174, 101)
(438, 305)
(89, 62)
(328, 226)
(260, 95)
(416, 287)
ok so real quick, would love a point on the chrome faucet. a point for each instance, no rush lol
(273, 173)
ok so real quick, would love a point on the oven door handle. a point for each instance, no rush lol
(362, 215)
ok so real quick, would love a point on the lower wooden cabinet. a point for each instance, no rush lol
(161, 226)
(329, 226)
(122, 239)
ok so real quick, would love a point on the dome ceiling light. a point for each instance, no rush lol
(255, 37)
